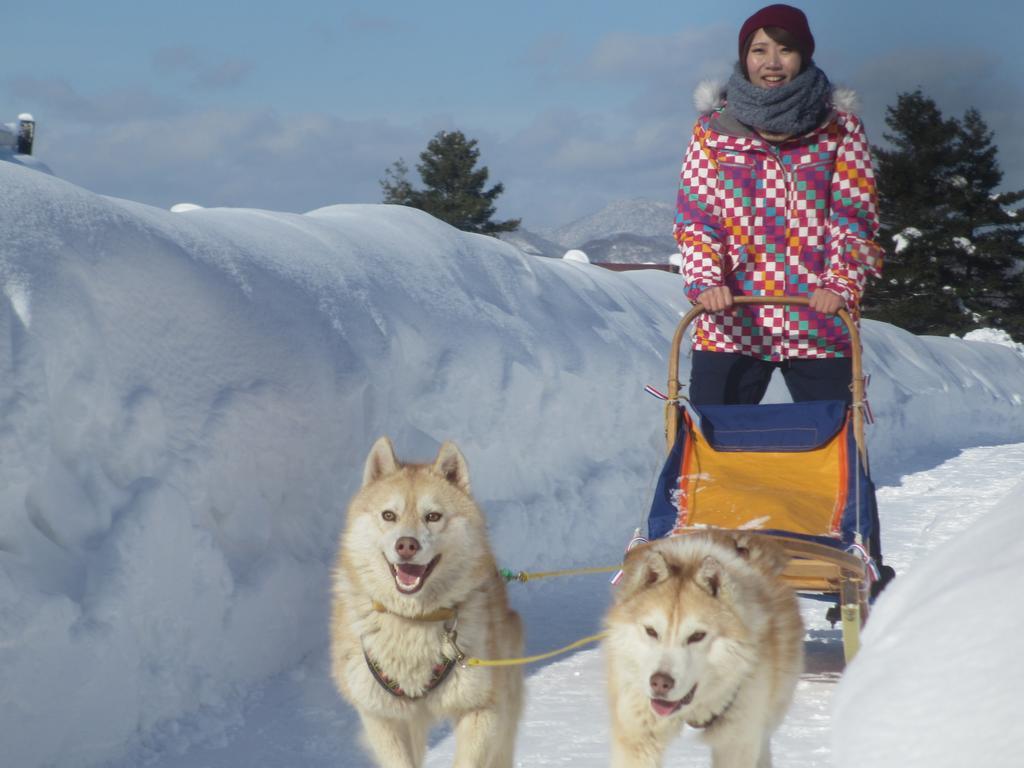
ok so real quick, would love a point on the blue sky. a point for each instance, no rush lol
(293, 107)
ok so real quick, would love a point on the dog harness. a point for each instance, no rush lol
(718, 716)
(439, 675)
(441, 614)
(440, 671)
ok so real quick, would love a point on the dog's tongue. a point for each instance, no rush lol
(663, 707)
(409, 575)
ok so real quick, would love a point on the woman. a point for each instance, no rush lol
(777, 198)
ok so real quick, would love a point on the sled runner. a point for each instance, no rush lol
(795, 471)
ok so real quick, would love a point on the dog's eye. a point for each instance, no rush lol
(388, 515)
(696, 637)
(651, 632)
(433, 517)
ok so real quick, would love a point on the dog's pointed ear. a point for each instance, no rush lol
(644, 567)
(761, 552)
(709, 576)
(380, 462)
(451, 465)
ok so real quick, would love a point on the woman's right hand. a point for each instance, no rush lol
(715, 299)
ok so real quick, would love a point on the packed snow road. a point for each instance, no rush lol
(298, 721)
(565, 719)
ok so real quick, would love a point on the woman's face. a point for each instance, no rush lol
(771, 64)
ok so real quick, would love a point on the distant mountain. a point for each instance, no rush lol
(626, 248)
(635, 217)
(625, 231)
(532, 243)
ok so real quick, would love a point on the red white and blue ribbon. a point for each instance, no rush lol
(869, 562)
(652, 391)
(636, 541)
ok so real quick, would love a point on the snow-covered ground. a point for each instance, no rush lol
(918, 694)
(186, 400)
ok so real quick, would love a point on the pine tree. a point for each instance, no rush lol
(988, 231)
(911, 179)
(397, 189)
(953, 244)
(454, 189)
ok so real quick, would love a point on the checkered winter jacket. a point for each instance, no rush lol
(777, 220)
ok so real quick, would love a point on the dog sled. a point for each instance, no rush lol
(797, 472)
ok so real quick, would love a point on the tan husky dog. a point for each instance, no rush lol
(416, 586)
(704, 633)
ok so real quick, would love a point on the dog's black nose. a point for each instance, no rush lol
(661, 684)
(407, 547)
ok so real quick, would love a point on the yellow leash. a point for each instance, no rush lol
(523, 577)
(530, 659)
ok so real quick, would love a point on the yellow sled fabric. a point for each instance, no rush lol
(792, 477)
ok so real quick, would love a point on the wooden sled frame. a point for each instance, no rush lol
(812, 567)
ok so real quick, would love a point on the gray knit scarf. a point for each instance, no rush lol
(791, 109)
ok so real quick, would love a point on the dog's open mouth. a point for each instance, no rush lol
(410, 578)
(665, 707)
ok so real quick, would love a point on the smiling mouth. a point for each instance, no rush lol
(410, 578)
(664, 707)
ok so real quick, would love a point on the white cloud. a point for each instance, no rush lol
(955, 83)
(702, 50)
(255, 158)
(57, 98)
(556, 164)
(201, 69)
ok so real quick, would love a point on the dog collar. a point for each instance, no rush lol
(441, 614)
(439, 675)
(716, 717)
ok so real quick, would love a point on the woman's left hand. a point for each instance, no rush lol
(826, 302)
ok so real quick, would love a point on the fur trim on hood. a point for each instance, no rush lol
(845, 99)
(710, 95)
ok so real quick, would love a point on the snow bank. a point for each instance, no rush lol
(186, 400)
(937, 679)
(930, 394)
(994, 336)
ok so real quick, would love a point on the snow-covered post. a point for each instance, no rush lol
(575, 254)
(26, 133)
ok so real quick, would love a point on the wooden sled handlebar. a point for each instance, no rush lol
(813, 567)
(856, 386)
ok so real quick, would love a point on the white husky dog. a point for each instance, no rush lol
(415, 586)
(704, 633)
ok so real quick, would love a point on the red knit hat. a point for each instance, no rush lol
(786, 17)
